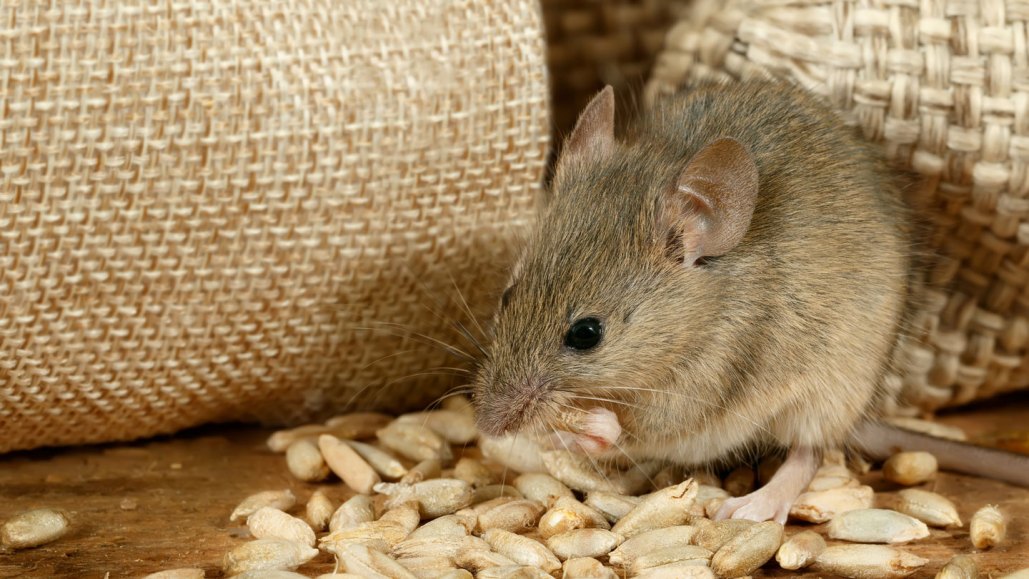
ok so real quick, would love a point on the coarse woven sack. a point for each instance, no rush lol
(215, 210)
(591, 44)
(944, 86)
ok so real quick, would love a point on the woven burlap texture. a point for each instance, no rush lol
(591, 44)
(944, 86)
(205, 205)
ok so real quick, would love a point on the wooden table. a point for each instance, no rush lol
(164, 503)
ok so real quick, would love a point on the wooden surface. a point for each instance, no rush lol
(161, 504)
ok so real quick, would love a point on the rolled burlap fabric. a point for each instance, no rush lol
(259, 210)
(944, 86)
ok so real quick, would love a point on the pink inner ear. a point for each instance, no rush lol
(714, 199)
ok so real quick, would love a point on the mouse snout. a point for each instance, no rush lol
(506, 408)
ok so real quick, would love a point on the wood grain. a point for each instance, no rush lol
(165, 503)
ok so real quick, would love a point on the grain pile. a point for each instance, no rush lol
(422, 495)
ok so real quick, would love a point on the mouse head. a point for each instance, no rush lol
(616, 286)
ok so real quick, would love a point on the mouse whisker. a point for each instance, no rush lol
(710, 403)
(455, 391)
(465, 306)
(418, 337)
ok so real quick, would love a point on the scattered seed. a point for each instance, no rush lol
(612, 506)
(473, 472)
(868, 562)
(677, 537)
(876, 526)
(583, 543)
(517, 516)
(304, 461)
(522, 550)
(447, 546)
(928, 507)
(270, 574)
(427, 469)
(740, 481)
(267, 554)
(476, 560)
(360, 560)
(177, 574)
(669, 475)
(749, 550)
(513, 572)
(357, 425)
(586, 568)
(517, 452)
(490, 492)
(347, 464)
(456, 574)
(445, 526)
(576, 472)
(800, 550)
(541, 488)
(454, 427)
(281, 440)
(1020, 574)
(988, 527)
(355, 511)
(283, 500)
(384, 534)
(687, 570)
(910, 468)
(428, 567)
(712, 535)
(269, 523)
(663, 508)
(413, 441)
(33, 528)
(679, 555)
(568, 514)
(319, 510)
(459, 403)
(383, 462)
(959, 567)
(435, 498)
(822, 506)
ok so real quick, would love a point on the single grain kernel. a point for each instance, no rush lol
(347, 464)
(33, 528)
(910, 468)
(304, 461)
(283, 500)
(928, 507)
(868, 562)
(988, 528)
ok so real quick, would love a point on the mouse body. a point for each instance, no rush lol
(731, 276)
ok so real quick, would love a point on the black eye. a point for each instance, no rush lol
(506, 297)
(584, 334)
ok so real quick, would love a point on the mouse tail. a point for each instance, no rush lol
(879, 440)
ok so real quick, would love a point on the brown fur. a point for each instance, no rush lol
(781, 341)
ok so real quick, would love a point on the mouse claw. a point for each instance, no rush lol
(757, 507)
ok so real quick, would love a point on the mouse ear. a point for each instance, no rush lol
(594, 132)
(713, 201)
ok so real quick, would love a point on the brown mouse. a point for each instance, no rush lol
(731, 276)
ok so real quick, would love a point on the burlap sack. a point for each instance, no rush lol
(945, 87)
(215, 210)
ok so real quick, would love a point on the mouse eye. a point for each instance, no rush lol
(584, 334)
(505, 298)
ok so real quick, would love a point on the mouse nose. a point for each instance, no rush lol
(497, 420)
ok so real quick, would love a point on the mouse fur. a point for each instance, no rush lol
(781, 341)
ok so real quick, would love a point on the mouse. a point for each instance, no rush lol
(730, 275)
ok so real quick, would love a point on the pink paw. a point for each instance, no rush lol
(757, 506)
